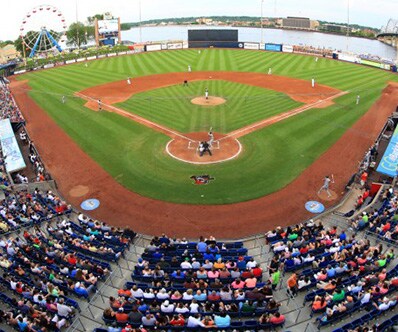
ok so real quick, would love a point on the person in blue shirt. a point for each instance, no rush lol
(22, 325)
(223, 320)
(331, 271)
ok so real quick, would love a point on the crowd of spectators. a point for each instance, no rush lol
(194, 284)
(8, 107)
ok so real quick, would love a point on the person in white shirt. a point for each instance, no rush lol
(194, 321)
(194, 307)
(166, 307)
(186, 264)
(251, 264)
(162, 295)
(136, 292)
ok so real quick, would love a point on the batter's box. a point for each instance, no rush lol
(194, 145)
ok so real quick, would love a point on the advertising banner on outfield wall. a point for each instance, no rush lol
(287, 48)
(375, 64)
(153, 47)
(273, 47)
(251, 46)
(12, 154)
(174, 46)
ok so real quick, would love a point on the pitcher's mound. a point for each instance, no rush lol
(211, 101)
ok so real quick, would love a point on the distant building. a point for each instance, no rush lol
(335, 28)
(203, 20)
(8, 53)
(296, 22)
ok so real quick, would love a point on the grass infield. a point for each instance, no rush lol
(272, 157)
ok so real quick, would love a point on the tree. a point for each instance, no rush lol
(78, 34)
(91, 19)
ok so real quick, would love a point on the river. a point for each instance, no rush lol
(292, 37)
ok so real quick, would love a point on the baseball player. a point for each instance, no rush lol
(326, 183)
(211, 138)
(358, 98)
(86, 65)
(189, 68)
(128, 81)
(99, 105)
(269, 71)
(313, 82)
(63, 99)
(207, 93)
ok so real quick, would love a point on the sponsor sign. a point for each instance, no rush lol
(251, 46)
(287, 48)
(153, 47)
(174, 46)
(12, 154)
(70, 61)
(91, 57)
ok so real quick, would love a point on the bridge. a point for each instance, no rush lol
(389, 33)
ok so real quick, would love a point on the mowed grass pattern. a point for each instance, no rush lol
(244, 105)
(272, 157)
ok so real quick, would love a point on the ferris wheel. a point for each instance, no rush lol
(42, 30)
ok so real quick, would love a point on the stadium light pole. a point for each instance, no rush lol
(348, 23)
(262, 28)
(139, 9)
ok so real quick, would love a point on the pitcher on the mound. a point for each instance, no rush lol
(207, 93)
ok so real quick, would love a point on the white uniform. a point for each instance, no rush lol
(128, 81)
(358, 98)
(269, 71)
(326, 183)
(63, 99)
(189, 69)
(211, 138)
(313, 82)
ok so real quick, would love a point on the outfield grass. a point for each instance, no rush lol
(272, 158)
(244, 105)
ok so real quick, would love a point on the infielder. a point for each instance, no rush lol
(189, 68)
(269, 71)
(99, 105)
(207, 93)
(326, 184)
(128, 81)
(313, 82)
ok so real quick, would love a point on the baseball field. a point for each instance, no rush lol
(272, 156)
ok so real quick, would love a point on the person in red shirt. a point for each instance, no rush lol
(277, 318)
(257, 271)
(177, 320)
(364, 178)
(213, 296)
(121, 316)
(247, 274)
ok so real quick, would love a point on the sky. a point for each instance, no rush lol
(374, 13)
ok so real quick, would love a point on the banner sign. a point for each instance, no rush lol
(70, 61)
(273, 47)
(12, 154)
(81, 60)
(174, 46)
(251, 46)
(153, 47)
(287, 48)
(389, 163)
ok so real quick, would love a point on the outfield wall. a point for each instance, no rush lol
(365, 60)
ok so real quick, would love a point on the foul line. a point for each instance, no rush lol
(250, 128)
(137, 118)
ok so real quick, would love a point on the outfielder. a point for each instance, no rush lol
(358, 98)
(326, 183)
(189, 68)
(63, 99)
(269, 71)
